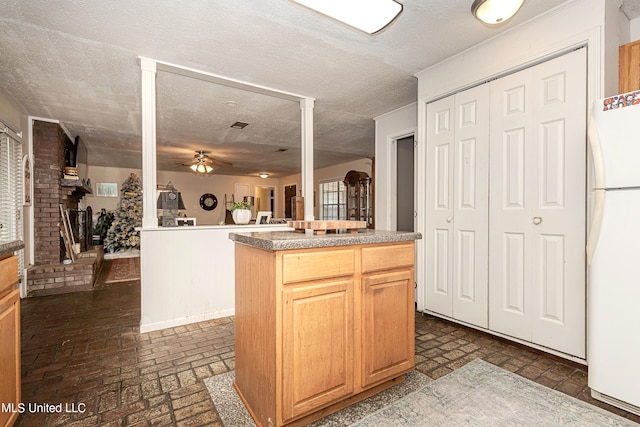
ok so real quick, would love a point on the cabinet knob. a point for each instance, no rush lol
(537, 220)
(449, 219)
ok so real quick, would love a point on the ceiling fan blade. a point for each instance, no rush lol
(219, 162)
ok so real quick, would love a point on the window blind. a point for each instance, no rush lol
(11, 225)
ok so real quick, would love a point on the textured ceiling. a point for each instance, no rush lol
(75, 61)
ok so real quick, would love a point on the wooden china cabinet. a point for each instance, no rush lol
(359, 197)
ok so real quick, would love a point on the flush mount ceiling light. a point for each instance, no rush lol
(264, 175)
(494, 12)
(370, 16)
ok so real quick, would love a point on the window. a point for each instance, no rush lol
(332, 200)
(11, 191)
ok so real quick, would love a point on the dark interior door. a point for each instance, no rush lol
(405, 179)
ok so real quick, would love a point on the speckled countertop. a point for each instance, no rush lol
(7, 248)
(283, 240)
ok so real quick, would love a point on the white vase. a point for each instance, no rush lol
(241, 216)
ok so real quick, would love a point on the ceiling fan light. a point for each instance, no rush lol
(370, 16)
(494, 12)
(194, 167)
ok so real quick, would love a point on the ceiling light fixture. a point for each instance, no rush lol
(201, 168)
(370, 16)
(494, 12)
(264, 175)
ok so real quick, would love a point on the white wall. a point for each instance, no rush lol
(634, 32)
(188, 274)
(389, 128)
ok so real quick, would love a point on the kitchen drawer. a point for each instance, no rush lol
(314, 265)
(377, 258)
(8, 273)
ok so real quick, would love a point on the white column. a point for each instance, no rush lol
(306, 105)
(148, 77)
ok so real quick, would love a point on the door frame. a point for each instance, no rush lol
(392, 194)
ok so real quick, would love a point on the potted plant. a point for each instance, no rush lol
(241, 212)
(105, 219)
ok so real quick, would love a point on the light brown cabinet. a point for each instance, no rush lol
(319, 329)
(9, 340)
(629, 67)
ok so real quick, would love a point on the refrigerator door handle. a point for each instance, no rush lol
(596, 153)
(599, 193)
(596, 223)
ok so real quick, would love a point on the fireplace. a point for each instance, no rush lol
(49, 275)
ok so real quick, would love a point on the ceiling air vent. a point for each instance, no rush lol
(239, 125)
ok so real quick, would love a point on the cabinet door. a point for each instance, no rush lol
(629, 67)
(10, 355)
(387, 325)
(317, 343)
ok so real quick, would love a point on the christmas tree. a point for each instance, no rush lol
(123, 235)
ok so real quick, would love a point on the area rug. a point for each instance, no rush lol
(478, 394)
(481, 394)
(124, 270)
(234, 414)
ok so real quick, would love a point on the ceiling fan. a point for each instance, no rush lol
(203, 164)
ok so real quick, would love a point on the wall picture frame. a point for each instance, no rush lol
(107, 189)
(263, 217)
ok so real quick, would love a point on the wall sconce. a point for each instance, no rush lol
(494, 12)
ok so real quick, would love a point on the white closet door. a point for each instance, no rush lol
(537, 208)
(457, 194)
(471, 206)
(439, 215)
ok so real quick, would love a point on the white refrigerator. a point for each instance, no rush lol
(613, 253)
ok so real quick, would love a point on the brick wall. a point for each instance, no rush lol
(48, 166)
(48, 275)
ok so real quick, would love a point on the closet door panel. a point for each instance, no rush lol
(510, 211)
(559, 206)
(470, 213)
(439, 230)
(537, 212)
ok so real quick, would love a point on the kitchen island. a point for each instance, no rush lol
(322, 321)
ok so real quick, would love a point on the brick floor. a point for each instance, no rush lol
(84, 350)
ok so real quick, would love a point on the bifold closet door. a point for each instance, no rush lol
(537, 204)
(457, 213)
